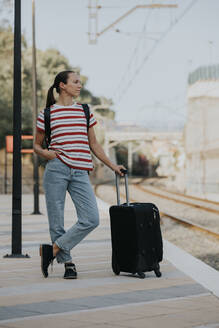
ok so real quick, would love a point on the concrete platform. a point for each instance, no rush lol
(185, 296)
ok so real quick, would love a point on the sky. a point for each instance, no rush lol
(154, 97)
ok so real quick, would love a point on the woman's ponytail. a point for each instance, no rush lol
(60, 77)
(50, 97)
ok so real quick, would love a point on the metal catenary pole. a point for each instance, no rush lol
(34, 82)
(6, 171)
(17, 188)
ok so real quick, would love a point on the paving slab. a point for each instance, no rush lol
(97, 298)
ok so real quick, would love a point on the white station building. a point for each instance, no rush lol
(202, 133)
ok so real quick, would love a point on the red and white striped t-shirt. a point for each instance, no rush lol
(69, 134)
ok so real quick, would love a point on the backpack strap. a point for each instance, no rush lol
(87, 114)
(47, 126)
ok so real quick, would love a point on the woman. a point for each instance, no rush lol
(69, 161)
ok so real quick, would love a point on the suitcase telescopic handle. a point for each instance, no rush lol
(126, 186)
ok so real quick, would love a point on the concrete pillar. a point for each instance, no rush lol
(106, 146)
(130, 157)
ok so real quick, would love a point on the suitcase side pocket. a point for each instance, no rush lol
(158, 235)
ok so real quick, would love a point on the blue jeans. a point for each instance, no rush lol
(59, 178)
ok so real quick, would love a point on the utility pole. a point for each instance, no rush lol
(210, 43)
(34, 81)
(93, 17)
(93, 20)
(203, 152)
(17, 181)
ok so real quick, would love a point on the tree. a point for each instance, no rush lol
(49, 63)
(5, 11)
(6, 82)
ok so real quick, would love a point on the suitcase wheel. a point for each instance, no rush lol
(115, 266)
(158, 273)
(141, 275)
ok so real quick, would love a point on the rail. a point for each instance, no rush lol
(204, 208)
(179, 220)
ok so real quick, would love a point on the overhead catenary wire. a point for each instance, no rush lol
(175, 110)
(125, 86)
(134, 53)
(137, 71)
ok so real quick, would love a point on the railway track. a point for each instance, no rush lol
(203, 200)
(194, 237)
(180, 201)
(179, 220)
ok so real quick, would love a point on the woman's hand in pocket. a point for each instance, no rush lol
(51, 154)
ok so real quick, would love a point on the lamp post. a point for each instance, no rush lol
(34, 90)
(17, 185)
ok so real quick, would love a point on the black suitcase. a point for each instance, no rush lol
(137, 245)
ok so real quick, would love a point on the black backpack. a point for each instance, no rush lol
(47, 122)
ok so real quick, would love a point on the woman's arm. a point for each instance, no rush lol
(38, 149)
(100, 154)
